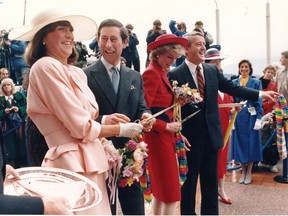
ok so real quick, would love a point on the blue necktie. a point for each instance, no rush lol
(115, 78)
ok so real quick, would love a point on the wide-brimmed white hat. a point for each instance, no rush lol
(84, 27)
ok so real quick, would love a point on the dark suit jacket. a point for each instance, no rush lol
(16, 204)
(129, 101)
(214, 81)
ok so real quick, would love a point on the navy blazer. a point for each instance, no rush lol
(129, 101)
(214, 81)
(16, 204)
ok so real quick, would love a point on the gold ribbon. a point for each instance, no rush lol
(230, 127)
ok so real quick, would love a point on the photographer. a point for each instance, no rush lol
(4, 50)
(130, 53)
(19, 67)
(180, 31)
(153, 33)
(208, 37)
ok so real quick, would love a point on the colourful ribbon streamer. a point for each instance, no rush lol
(180, 145)
(145, 178)
(281, 112)
(182, 160)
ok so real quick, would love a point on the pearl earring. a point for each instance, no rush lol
(44, 43)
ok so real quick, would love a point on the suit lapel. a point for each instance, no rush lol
(166, 81)
(124, 87)
(188, 76)
(102, 78)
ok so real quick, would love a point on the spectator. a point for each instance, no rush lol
(82, 54)
(268, 85)
(130, 52)
(94, 45)
(4, 73)
(179, 31)
(13, 114)
(282, 77)
(213, 56)
(19, 67)
(246, 141)
(4, 50)
(153, 33)
(208, 37)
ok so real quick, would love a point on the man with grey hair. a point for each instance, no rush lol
(282, 79)
(203, 131)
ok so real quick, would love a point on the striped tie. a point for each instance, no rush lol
(200, 81)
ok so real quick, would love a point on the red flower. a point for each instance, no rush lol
(123, 182)
(132, 145)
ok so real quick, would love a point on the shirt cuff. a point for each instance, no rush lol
(260, 95)
(103, 119)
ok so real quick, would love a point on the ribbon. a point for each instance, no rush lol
(180, 145)
(144, 179)
(281, 113)
(230, 127)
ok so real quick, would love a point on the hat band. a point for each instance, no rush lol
(213, 55)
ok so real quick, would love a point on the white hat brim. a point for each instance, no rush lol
(84, 27)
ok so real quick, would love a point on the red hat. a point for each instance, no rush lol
(167, 39)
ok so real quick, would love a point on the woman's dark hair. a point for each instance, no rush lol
(36, 49)
(249, 64)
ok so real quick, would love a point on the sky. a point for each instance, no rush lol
(242, 22)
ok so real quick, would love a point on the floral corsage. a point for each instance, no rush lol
(184, 94)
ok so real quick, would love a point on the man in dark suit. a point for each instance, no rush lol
(25, 204)
(123, 104)
(203, 131)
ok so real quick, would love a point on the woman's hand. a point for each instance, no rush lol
(10, 171)
(7, 111)
(173, 126)
(15, 108)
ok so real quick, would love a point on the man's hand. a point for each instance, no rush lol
(116, 118)
(186, 142)
(270, 95)
(56, 206)
(147, 122)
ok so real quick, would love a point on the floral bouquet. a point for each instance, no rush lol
(133, 161)
(184, 94)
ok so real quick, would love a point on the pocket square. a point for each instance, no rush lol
(132, 87)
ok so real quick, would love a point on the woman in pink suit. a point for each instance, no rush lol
(162, 162)
(213, 56)
(61, 104)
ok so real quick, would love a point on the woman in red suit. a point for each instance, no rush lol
(213, 56)
(162, 162)
(268, 85)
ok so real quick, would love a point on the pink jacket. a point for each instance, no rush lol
(62, 106)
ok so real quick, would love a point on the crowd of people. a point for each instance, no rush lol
(85, 113)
